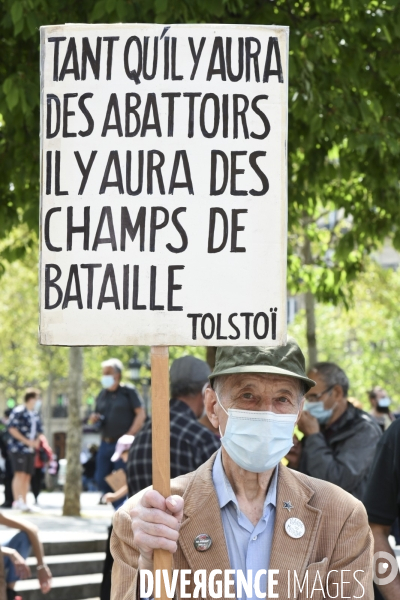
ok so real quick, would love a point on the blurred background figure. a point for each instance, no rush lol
(191, 443)
(382, 501)
(8, 471)
(52, 473)
(355, 402)
(89, 469)
(24, 428)
(121, 453)
(16, 550)
(117, 497)
(294, 454)
(43, 456)
(339, 439)
(380, 407)
(119, 411)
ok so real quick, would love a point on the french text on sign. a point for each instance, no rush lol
(164, 184)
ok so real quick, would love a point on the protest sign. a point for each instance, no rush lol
(164, 185)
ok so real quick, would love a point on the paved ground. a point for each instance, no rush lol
(92, 524)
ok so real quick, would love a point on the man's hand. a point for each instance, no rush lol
(35, 444)
(44, 577)
(94, 417)
(110, 497)
(308, 424)
(21, 568)
(155, 524)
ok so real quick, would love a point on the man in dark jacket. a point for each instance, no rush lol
(339, 439)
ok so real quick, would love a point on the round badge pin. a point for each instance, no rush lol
(295, 528)
(202, 542)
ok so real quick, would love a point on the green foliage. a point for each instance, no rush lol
(344, 116)
(23, 362)
(363, 340)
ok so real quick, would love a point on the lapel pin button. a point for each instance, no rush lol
(295, 528)
(288, 505)
(202, 542)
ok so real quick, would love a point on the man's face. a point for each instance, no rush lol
(111, 371)
(30, 404)
(322, 392)
(254, 391)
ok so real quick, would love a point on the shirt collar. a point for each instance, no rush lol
(224, 489)
(182, 407)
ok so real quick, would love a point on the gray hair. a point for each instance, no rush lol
(114, 363)
(332, 374)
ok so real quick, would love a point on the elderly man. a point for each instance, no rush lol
(339, 439)
(119, 410)
(242, 510)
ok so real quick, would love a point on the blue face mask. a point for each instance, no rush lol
(384, 402)
(107, 381)
(257, 440)
(317, 410)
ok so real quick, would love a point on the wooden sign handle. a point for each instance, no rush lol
(161, 443)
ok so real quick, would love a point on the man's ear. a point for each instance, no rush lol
(210, 403)
(337, 392)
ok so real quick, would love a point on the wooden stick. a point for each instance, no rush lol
(161, 443)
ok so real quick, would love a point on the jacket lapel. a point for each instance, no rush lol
(203, 515)
(287, 553)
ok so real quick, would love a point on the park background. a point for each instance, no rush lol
(344, 209)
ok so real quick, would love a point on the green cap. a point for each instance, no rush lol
(277, 360)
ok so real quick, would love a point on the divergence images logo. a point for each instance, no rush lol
(387, 565)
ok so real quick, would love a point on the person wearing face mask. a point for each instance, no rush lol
(380, 404)
(119, 411)
(24, 427)
(244, 510)
(339, 439)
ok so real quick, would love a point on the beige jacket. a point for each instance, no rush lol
(3, 584)
(337, 536)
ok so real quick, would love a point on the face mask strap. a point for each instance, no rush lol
(219, 426)
(221, 404)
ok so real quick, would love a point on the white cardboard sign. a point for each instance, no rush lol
(163, 184)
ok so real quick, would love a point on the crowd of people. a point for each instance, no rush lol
(334, 440)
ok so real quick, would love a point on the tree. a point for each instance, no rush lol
(363, 339)
(344, 109)
(23, 362)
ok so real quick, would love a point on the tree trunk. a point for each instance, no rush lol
(47, 410)
(311, 329)
(72, 488)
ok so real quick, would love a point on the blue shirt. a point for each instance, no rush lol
(249, 546)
